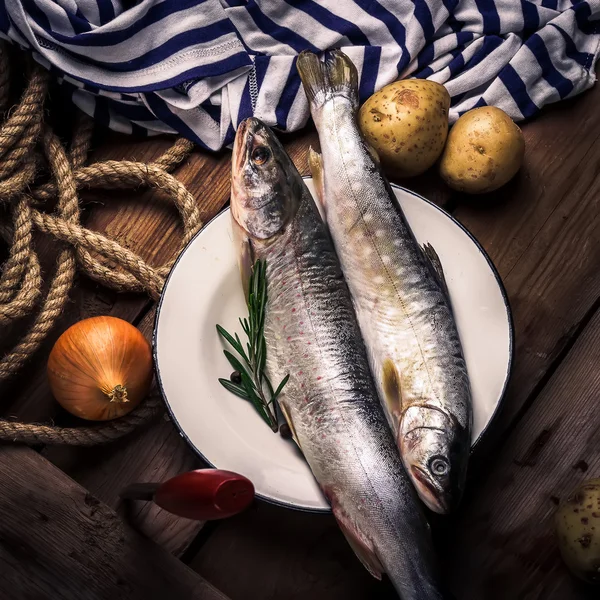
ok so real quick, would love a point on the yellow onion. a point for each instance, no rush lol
(100, 368)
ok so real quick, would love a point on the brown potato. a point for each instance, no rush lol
(578, 529)
(407, 124)
(484, 151)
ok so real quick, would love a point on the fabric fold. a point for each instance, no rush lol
(199, 67)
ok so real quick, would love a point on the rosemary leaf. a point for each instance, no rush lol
(255, 386)
(244, 324)
(269, 385)
(236, 364)
(237, 346)
(281, 386)
(259, 405)
(241, 349)
(233, 388)
(261, 353)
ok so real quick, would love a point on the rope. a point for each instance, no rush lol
(28, 433)
(53, 208)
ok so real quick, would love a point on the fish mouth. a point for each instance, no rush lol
(428, 492)
(242, 148)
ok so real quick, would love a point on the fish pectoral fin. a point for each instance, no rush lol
(245, 255)
(436, 265)
(367, 557)
(285, 411)
(362, 546)
(315, 162)
(246, 264)
(391, 390)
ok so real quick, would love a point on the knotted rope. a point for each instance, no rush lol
(53, 208)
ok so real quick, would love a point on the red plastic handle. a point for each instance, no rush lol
(205, 494)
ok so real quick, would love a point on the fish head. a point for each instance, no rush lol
(435, 450)
(264, 182)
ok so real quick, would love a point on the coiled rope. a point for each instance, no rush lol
(53, 208)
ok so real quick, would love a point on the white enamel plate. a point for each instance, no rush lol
(204, 289)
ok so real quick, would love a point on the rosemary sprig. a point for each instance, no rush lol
(255, 385)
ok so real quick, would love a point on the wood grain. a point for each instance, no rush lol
(542, 233)
(503, 544)
(275, 553)
(58, 541)
(154, 454)
(143, 222)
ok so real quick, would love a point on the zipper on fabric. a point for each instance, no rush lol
(253, 86)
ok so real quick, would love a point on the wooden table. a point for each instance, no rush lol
(543, 233)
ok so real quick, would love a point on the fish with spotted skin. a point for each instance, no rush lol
(398, 288)
(330, 401)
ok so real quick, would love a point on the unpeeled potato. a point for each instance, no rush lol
(485, 149)
(578, 529)
(407, 124)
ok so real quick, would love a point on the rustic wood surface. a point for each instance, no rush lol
(58, 541)
(506, 548)
(146, 223)
(541, 231)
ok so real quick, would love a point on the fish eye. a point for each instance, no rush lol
(260, 155)
(439, 466)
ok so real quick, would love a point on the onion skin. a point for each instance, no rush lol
(100, 368)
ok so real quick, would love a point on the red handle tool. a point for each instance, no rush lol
(203, 495)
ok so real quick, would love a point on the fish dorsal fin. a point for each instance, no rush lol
(363, 547)
(436, 266)
(285, 411)
(315, 162)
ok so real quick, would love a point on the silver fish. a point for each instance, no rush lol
(330, 401)
(398, 289)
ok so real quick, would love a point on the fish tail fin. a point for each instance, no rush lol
(335, 76)
(343, 77)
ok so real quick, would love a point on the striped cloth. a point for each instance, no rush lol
(199, 67)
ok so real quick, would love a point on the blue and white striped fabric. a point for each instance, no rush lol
(199, 67)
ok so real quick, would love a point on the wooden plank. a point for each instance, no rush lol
(542, 233)
(503, 543)
(154, 454)
(275, 553)
(58, 541)
(140, 222)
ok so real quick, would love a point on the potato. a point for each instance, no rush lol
(578, 529)
(407, 124)
(484, 151)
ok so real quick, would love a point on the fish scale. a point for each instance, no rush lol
(402, 307)
(330, 400)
